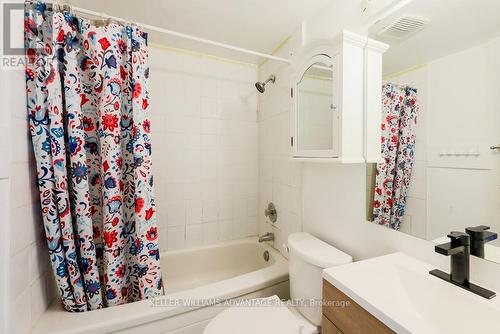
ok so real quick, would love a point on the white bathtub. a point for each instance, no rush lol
(209, 274)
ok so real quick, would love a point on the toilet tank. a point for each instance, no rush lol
(308, 256)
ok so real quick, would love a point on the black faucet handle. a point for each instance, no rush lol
(459, 239)
(459, 243)
(481, 233)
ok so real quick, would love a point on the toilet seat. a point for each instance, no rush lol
(262, 319)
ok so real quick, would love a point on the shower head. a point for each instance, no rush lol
(261, 86)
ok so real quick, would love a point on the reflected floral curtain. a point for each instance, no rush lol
(87, 105)
(400, 109)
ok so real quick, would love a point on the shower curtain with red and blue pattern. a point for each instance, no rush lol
(400, 110)
(88, 115)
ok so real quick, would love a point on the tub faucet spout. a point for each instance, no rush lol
(266, 237)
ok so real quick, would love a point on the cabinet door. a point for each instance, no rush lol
(315, 116)
(327, 327)
(351, 319)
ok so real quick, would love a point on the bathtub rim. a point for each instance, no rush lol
(124, 316)
(249, 240)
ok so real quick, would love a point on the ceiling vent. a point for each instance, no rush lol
(403, 27)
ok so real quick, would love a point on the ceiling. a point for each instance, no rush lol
(259, 25)
(455, 25)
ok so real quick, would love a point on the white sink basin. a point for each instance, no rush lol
(400, 292)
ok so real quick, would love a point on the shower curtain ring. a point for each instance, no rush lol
(67, 8)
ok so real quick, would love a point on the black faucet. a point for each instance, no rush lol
(479, 235)
(459, 251)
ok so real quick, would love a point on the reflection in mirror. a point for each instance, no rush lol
(391, 177)
(440, 170)
(315, 108)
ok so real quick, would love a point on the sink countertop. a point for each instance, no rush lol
(399, 291)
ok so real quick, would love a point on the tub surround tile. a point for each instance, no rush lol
(240, 228)
(225, 230)
(208, 172)
(163, 239)
(20, 313)
(209, 107)
(209, 126)
(194, 235)
(279, 179)
(208, 141)
(176, 237)
(239, 208)
(4, 249)
(186, 108)
(210, 211)
(19, 229)
(39, 263)
(20, 211)
(210, 233)
(209, 86)
(252, 226)
(208, 157)
(252, 207)
(176, 213)
(39, 291)
(169, 192)
(19, 273)
(194, 212)
(225, 208)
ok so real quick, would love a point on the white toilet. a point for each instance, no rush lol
(308, 257)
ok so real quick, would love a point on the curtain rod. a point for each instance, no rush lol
(168, 32)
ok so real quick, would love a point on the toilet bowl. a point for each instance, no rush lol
(302, 315)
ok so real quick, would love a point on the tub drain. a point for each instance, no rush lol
(266, 256)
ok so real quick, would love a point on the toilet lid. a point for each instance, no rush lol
(261, 319)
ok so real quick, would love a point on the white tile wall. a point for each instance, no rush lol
(205, 142)
(4, 205)
(280, 180)
(24, 277)
(29, 280)
(4, 259)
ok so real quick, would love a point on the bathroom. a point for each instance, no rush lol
(233, 92)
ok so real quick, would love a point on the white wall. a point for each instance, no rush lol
(26, 283)
(451, 193)
(464, 191)
(205, 135)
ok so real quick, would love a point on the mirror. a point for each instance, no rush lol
(440, 168)
(315, 105)
(315, 110)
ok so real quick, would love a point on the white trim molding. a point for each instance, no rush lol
(373, 99)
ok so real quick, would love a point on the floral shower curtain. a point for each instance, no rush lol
(400, 109)
(87, 106)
